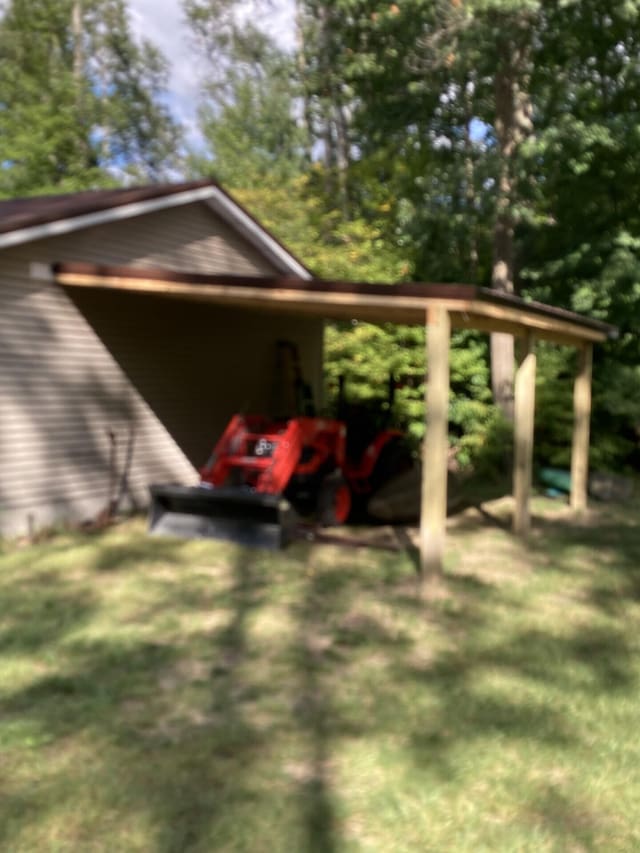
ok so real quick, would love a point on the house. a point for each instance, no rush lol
(103, 393)
(134, 322)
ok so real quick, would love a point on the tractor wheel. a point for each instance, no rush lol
(334, 501)
(395, 458)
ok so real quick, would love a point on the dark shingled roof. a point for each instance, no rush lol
(17, 213)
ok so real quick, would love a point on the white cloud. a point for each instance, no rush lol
(163, 23)
(280, 23)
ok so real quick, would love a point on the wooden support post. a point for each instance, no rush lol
(581, 421)
(525, 397)
(433, 508)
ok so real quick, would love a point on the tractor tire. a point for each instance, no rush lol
(395, 459)
(334, 501)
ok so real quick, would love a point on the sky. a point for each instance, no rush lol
(162, 22)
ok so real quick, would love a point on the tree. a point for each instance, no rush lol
(128, 78)
(326, 95)
(79, 99)
(340, 212)
(580, 244)
(491, 141)
(422, 74)
(247, 112)
(251, 133)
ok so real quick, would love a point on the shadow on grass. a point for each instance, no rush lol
(103, 676)
(183, 765)
(119, 557)
(229, 743)
(223, 741)
(615, 547)
(38, 615)
(313, 713)
(473, 703)
(572, 824)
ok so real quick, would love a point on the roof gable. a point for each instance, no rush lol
(27, 219)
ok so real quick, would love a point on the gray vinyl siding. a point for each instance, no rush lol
(101, 393)
(183, 238)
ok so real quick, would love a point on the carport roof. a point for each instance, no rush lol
(469, 306)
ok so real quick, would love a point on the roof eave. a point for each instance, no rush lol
(469, 306)
(210, 193)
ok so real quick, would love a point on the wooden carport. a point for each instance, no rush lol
(440, 307)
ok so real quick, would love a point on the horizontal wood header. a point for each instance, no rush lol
(470, 307)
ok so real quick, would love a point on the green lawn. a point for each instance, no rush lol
(158, 695)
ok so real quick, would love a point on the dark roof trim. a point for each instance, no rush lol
(259, 225)
(463, 293)
(24, 220)
(18, 213)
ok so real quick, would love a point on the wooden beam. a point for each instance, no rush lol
(385, 306)
(465, 320)
(543, 325)
(433, 509)
(386, 300)
(525, 396)
(581, 421)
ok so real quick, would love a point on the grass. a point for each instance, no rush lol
(158, 695)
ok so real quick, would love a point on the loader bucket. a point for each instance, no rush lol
(232, 514)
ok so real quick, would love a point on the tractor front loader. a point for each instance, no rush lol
(265, 473)
(262, 476)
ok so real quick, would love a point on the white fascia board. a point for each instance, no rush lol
(101, 217)
(221, 204)
(217, 200)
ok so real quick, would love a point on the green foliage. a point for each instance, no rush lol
(421, 77)
(616, 421)
(331, 247)
(616, 424)
(79, 105)
(554, 406)
(473, 420)
(375, 151)
(367, 356)
(581, 248)
(248, 125)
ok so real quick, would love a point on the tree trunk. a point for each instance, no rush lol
(342, 157)
(78, 48)
(301, 63)
(512, 124)
(470, 180)
(333, 117)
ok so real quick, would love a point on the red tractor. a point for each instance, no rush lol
(264, 474)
